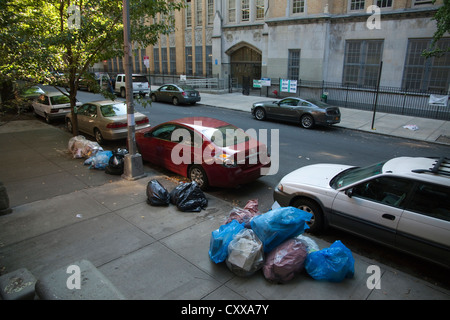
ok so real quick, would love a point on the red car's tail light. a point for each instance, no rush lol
(143, 121)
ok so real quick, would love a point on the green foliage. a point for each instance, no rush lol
(442, 18)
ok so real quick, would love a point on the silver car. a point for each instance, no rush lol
(52, 105)
(176, 94)
(105, 120)
(403, 202)
(306, 112)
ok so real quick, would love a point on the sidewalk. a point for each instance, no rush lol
(63, 212)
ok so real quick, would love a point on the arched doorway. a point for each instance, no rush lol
(245, 64)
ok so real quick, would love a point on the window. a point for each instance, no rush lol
(298, 6)
(426, 74)
(386, 190)
(188, 15)
(173, 60)
(294, 64)
(198, 13)
(362, 61)
(259, 9)
(164, 63)
(208, 61)
(431, 200)
(156, 59)
(143, 54)
(245, 10)
(384, 3)
(137, 65)
(421, 2)
(198, 60)
(210, 11)
(188, 53)
(357, 4)
(231, 10)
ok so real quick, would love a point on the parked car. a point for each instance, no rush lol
(29, 94)
(208, 151)
(105, 120)
(403, 202)
(140, 85)
(93, 80)
(306, 112)
(176, 94)
(52, 105)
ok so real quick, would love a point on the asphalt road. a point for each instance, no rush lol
(298, 147)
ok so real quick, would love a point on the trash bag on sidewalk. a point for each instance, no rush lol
(285, 261)
(278, 225)
(80, 147)
(245, 254)
(157, 195)
(189, 197)
(99, 161)
(221, 238)
(310, 244)
(116, 162)
(244, 215)
(332, 264)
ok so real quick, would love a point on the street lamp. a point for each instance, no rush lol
(133, 166)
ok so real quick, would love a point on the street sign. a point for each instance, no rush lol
(147, 61)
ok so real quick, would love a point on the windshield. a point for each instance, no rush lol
(62, 99)
(352, 175)
(226, 136)
(111, 110)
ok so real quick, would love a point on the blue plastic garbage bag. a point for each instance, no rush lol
(99, 161)
(221, 238)
(278, 225)
(331, 264)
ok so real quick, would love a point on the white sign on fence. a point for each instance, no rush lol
(288, 85)
(438, 100)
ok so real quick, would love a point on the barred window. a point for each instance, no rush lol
(298, 6)
(362, 61)
(294, 64)
(137, 60)
(198, 60)
(164, 63)
(173, 60)
(156, 60)
(188, 53)
(426, 74)
(209, 61)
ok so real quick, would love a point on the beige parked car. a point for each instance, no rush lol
(105, 120)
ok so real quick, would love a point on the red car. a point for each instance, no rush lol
(208, 151)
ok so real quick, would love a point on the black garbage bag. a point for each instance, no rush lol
(116, 162)
(189, 197)
(157, 195)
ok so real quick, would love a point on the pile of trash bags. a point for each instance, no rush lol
(97, 158)
(188, 197)
(273, 242)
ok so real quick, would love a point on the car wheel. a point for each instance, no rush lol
(98, 136)
(153, 96)
(316, 222)
(122, 92)
(260, 114)
(197, 174)
(69, 126)
(175, 101)
(307, 121)
(47, 118)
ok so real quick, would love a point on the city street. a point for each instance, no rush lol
(299, 147)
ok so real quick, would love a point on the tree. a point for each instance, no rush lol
(442, 18)
(68, 36)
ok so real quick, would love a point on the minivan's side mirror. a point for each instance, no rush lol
(349, 192)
